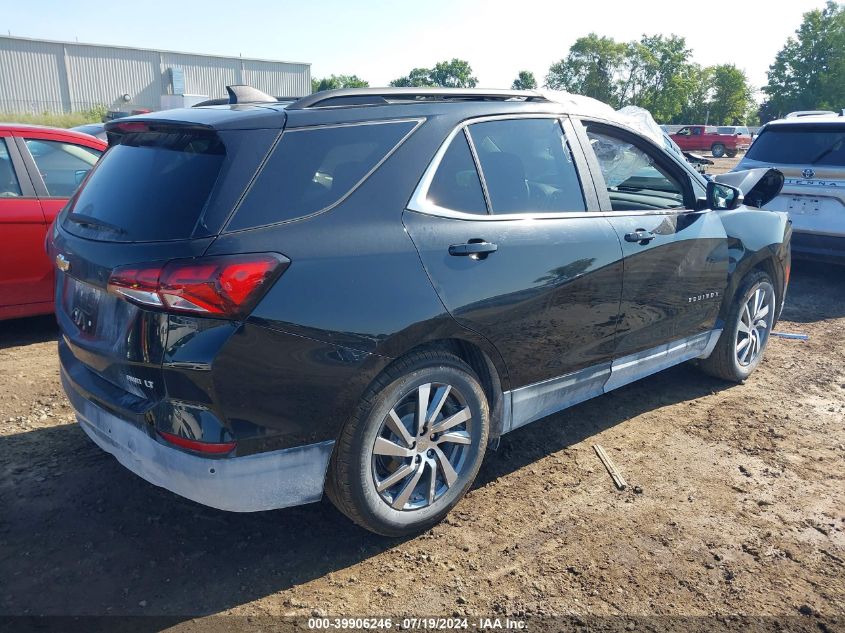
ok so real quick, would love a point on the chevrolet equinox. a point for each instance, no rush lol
(360, 291)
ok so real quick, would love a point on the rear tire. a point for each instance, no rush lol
(395, 472)
(731, 153)
(718, 150)
(747, 328)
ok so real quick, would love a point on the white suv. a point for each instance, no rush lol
(810, 151)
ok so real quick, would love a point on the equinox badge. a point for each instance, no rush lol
(62, 263)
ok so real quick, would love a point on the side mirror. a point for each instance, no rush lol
(758, 186)
(723, 197)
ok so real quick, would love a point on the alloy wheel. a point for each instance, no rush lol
(755, 323)
(422, 447)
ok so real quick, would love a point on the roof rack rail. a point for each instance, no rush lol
(380, 96)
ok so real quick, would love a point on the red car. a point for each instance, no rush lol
(40, 168)
(700, 138)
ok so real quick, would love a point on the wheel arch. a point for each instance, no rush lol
(765, 261)
(483, 359)
(757, 240)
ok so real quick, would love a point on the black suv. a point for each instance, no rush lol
(360, 291)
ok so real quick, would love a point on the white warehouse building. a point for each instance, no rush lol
(48, 76)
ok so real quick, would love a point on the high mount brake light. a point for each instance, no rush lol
(226, 286)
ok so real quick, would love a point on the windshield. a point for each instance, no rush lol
(801, 145)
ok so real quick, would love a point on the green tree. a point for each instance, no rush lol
(417, 78)
(809, 71)
(446, 74)
(591, 68)
(454, 74)
(656, 75)
(524, 81)
(697, 96)
(335, 82)
(732, 96)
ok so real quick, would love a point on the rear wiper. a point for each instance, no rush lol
(836, 145)
(87, 220)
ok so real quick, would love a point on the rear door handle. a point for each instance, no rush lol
(640, 235)
(473, 248)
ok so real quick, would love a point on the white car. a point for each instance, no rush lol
(810, 152)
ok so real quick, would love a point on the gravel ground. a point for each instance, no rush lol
(735, 505)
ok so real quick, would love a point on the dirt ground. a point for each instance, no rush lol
(735, 506)
(721, 165)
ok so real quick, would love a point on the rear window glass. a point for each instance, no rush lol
(801, 146)
(455, 184)
(313, 168)
(151, 186)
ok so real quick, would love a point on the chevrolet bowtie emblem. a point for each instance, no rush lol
(62, 263)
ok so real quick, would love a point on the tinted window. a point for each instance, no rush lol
(63, 166)
(9, 185)
(634, 180)
(802, 145)
(527, 166)
(456, 185)
(151, 186)
(314, 168)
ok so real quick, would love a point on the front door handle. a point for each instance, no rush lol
(477, 249)
(640, 235)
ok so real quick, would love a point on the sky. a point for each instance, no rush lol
(380, 40)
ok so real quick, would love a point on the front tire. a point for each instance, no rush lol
(718, 150)
(747, 328)
(414, 446)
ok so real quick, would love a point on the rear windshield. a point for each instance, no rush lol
(152, 185)
(801, 145)
(311, 169)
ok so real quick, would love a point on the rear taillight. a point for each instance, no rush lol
(227, 286)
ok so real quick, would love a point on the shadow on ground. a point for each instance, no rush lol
(79, 534)
(18, 332)
(811, 288)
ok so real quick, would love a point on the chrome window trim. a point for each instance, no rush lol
(419, 199)
(478, 171)
(419, 121)
(441, 212)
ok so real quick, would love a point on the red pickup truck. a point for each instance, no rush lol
(697, 138)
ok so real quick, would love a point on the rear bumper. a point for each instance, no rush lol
(824, 248)
(263, 481)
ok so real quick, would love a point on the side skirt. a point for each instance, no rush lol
(532, 402)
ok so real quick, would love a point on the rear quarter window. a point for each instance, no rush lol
(312, 169)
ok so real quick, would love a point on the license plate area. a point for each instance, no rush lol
(95, 315)
(82, 305)
(804, 205)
